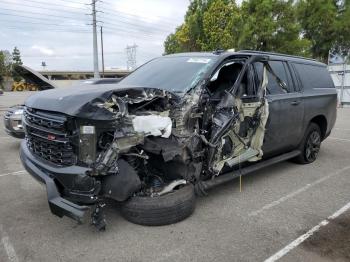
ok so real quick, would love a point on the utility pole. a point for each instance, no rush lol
(103, 60)
(94, 32)
(131, 57)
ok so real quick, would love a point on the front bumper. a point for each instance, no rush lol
(60, 183)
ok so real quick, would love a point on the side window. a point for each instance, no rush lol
(313, 76)
(296, 80)
(273, 87)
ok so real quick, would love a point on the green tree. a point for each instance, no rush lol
(271, 25)
(5, 66)
(220, 25)
(342, 41)
(298, 27)
(188, 36)
(2, 69)
(317, 18)
(16, 60)
(16, 57)
(172, 44)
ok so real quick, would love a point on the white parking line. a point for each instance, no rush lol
(14, 173)
(302, 238)
(340, 139)
(10, 251)
(342, 129)
(6, 137)
(294, 193)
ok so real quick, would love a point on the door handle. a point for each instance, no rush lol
(295, 103)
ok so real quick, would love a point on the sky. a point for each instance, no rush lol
(59, 32)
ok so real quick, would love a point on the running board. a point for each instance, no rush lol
(227, 177)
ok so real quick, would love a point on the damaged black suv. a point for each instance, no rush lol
(178, 125)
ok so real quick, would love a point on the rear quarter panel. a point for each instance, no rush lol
(318, 93)
(320, 101)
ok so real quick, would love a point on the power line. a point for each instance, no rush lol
(40, 19)
(75, 55)
(41, 14)
(130, 33)
(73, 2)
(109, 31)
(45, 4)
(139, 30)
(149, 28)
(120, 13)
(157, 29)
(133, 26)
(41, 7)
(115, 13)
(45, 29)
(133, 15)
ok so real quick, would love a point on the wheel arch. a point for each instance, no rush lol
(321, 121)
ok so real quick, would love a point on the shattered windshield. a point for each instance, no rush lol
(176, 74)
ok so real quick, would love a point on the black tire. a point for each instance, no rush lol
(310, 145)
(163, 210)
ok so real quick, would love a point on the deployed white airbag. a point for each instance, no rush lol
(153, 125)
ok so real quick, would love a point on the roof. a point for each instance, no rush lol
(285, 57)
(271, 55)
(193, 54)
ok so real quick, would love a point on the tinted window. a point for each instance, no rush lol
(313, 76)
(273, 86)
(296, 80)
(280, 69)
(290, 84)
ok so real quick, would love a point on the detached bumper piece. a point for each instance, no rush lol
(47, 174)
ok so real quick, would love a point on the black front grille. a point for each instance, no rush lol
(55, 122)
(48, 138)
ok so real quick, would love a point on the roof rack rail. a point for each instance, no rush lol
(219, 51)
(272, 53)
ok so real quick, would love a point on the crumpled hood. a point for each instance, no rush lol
(82, 101)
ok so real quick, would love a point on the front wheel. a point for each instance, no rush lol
(160, 210)
(310, 145)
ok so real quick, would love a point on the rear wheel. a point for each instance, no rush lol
(160, 210)
(310, 145)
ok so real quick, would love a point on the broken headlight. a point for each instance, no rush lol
(87, 144)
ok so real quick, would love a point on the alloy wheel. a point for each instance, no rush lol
(312, 146)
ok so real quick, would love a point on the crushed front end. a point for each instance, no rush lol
(115, 147)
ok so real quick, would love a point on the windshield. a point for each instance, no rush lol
(176, 74)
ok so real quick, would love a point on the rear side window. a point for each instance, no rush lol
(273, 86)
(281, 70)
(312, 76)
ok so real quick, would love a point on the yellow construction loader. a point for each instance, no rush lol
(23, 86)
